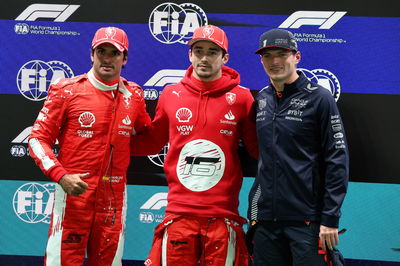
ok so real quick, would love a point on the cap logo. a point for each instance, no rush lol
(110, 32)
(208, 32)
(281, 41)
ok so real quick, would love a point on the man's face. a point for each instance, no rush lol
(107, 62)
(280, 64)
(207, 60)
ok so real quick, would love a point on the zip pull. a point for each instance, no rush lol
(114, 215)
(274, 115)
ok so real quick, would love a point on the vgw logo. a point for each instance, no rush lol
(34, 77)
(155, 203)
(324, 19)
(33, 202)
(59, 13)
(170, 23)
(325, 78)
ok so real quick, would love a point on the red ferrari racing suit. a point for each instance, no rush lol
(93, 123)
(203, 123)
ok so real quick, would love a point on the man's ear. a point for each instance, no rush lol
(297, 55)
(225, 58)
(190, 55)
(125, 60)
(91, 55)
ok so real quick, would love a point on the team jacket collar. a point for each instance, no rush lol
(295, 86)
(229, 79)
(100, 85)
(103, 87)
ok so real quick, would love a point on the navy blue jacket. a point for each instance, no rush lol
(303, 164)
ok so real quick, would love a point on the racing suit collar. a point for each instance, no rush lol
(100, 85)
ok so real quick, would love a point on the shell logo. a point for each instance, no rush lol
(183, 114)
(86, 119)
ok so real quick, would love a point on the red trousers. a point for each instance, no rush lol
(188, 240)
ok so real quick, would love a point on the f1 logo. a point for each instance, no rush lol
(60, 13)
(165, 76)
(325, 19)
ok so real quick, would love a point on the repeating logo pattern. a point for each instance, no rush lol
(19, 145)
(35, 77)
(325, 78)
(158, 159)
(33, 202)
(171, 23)
(323, 19)
(151, 208)
(59, 13)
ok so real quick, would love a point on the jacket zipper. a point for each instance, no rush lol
(109, 166)
(274, 214)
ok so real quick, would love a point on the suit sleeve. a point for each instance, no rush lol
(45, 132)
(249, 134)
(154, 137)
(336, 160)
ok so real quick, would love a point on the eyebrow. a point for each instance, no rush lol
(104, 49)
(210, 49)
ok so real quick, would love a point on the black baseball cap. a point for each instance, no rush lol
(277, 38)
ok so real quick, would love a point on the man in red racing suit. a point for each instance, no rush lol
(203, 118)
(92, 116)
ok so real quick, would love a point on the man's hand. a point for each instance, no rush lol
(329, 237)
(73, 184)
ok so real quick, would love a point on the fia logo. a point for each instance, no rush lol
(21, 28)
(170, 23)
(150, 94)
(34, 77)
(33, 202)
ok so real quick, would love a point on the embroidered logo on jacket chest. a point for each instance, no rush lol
(183, 115)
(86, 120)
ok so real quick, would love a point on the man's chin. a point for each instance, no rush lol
(203, 74)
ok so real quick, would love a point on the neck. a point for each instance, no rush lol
(99, 84)
(203, 85)
(107, 82)
(279, 85)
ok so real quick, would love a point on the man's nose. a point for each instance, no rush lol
(204, 58)
(274, 57)
(107, 56)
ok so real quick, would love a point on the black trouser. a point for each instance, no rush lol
(286, 243)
